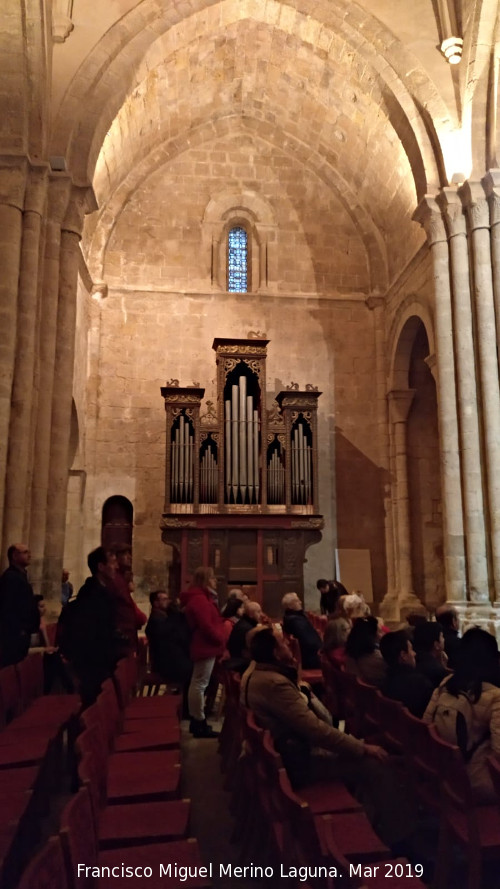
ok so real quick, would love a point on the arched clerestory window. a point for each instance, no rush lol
(237, 260)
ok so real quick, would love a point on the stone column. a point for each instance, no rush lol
(491, 184)
(19, 452)
(469, 434)
(63, 391)
(389, 604)
(13, 173)
(400, 401)
(476, 205)
(58, 196)
(429, 215)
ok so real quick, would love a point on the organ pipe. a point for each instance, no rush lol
(182, 453)
(227, 407)
(234, 441)
(301, 466)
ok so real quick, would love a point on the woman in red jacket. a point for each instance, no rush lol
(207, 643)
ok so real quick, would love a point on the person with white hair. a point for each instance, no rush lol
(295, 623)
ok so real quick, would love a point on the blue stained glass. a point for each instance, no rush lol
(237, 261)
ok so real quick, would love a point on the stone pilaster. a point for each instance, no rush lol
(13, 174)
(478, 214)
(400, 401)
(389, 604)
(63, 390)
(467, 402)
(58, 197)
(19, 453)
(429, 216)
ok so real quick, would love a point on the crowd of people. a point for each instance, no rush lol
(441, 678)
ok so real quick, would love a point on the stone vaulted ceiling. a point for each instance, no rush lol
(358, 94)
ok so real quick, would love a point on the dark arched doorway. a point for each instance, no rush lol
(424, 478)
(117, 522)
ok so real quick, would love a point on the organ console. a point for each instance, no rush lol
(241, 480)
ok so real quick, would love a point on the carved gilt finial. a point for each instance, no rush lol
(256, 335)
(173, 383)
(292, 386)
(311, 388)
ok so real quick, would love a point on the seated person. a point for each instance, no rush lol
(295, 623)
(363, 657)
(231, 613)
(168, 637)
(269, 688)
(465, 709)
(447, 616)
(428, 642)
(403, 682)
(251, 616)
(348, 608)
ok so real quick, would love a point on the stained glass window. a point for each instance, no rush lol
(237, 254)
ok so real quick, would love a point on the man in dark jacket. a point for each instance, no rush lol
(295, 623)
(428, 642)
(19, 615)
(88, 635)
(403, 682)
(168, 637)
(236, 644)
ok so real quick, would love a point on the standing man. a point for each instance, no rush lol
(88, 635)
(66, 588)
(19, 615)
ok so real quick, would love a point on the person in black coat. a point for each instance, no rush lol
(428, 642)
(330, 593)
(168, 637)
(19, 616)
(403, 682)
(87, 632)
(295, 623)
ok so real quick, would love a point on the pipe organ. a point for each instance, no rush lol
(241, 478)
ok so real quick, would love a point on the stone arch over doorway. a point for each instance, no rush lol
(414, 462)
(117, 522)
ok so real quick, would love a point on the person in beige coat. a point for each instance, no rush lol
(465, 708)
(269, 688)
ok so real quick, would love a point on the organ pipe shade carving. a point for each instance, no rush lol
(182, 454)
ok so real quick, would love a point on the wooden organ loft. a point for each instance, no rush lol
(241, 480)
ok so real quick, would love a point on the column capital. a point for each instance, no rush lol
(476, 205)
(400, 401)
(429, 215)
(13, 177)
(81, 201)
(375, 302)
(59, 194)
(431, 362)
(453, 211)
(491, 185)
(36, 190)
